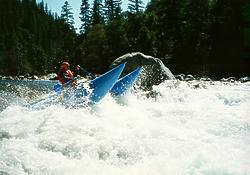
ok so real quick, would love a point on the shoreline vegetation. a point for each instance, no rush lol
(205, 38)
(179, 77)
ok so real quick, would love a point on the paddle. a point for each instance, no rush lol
(59, 87)
(87, 72)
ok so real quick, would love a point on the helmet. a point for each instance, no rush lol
(65, 64)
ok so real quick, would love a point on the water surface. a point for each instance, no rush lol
(195, 127)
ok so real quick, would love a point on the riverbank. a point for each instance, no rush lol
(51, 76)
(181, 77)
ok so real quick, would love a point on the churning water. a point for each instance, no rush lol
(185, 128)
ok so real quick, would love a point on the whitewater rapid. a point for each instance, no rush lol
(184, 128)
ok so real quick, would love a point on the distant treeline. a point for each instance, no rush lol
(204, 37)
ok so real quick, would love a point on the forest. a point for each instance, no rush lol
(199, 37)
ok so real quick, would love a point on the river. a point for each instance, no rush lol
(185, 128)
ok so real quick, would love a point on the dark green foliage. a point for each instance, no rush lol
(194, 33)
(117, 43)
(135, 6)
(138, 35)
(208, 37)
(85, 16)
(32, 38)
(97, 48)
(227, 36)
(199, 36)
(67, 15)
(112, 10)
(165, 21)
(97, 12)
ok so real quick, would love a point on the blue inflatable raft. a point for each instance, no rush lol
(100, 86)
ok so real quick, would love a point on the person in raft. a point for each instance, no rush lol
(65, 74)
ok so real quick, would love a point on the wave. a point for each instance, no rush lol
(195, 127)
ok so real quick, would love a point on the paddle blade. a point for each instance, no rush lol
(58, 87)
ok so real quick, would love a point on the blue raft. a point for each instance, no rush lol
(125, 83)
(97, 88)
(101, 85)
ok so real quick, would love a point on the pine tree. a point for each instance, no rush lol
(135, 6)
(84, 16)
(46, 8)
(195, 17)
(117, 42)
(163, 19)
(118, 10)
(112, 9)
(97, 12)
(67, 15)
(96, 46)
(227, 35)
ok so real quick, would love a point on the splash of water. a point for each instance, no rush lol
(193, 128)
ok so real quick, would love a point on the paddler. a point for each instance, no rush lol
(65, 74)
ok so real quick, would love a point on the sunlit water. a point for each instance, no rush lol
(185, 128)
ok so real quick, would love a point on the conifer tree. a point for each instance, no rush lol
(67, 15)
(96, 46)
(97, 12)
(227, 35)
(112, 9)
(195, 17)
(191, 32)
(135, 6)
(84, 16)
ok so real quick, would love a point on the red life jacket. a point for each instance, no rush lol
(65, 75)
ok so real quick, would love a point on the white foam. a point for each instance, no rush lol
(188, 128)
